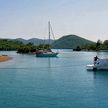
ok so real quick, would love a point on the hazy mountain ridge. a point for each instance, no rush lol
(35, 41)
(65, 42)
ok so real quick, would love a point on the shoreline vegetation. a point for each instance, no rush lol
(4, 58)
(98, 46)
(19, 47)
(30, 48)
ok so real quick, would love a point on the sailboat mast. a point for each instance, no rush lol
(49, 31)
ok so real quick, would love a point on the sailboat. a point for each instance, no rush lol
(49, 52)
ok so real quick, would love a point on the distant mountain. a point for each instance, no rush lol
(20, 40)
(70, 41)
(35, 41)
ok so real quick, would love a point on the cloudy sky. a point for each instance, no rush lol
(29, 18)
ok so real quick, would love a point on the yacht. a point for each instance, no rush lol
(98, 64)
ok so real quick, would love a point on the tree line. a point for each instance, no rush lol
(10, 45)
(99, 45)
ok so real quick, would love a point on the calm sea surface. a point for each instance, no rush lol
(62, 82)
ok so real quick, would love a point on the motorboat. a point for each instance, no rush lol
(99, 64)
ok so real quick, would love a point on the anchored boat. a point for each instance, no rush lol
(48, 52)
(99, 64)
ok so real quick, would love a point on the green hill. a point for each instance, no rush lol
(70, 41)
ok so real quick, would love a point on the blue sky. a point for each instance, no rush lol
(29, 18)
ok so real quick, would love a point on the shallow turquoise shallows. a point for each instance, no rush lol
(62, 82)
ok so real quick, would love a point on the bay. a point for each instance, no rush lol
(63, 82)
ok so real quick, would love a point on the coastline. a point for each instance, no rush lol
(4, 58)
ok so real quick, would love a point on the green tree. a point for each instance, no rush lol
(98, 44)
(106, 42)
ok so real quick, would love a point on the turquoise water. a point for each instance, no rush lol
(63, 82)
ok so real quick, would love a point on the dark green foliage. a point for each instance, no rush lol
(26, 49)
(30, 48)
(89, 47)
(98, 46)
(77, 48)
(106, 42)
(29, 44)
(71, 41)
(9, 45)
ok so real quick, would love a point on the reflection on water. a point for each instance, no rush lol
(49, 63)
(101, 75)
(102, 54)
